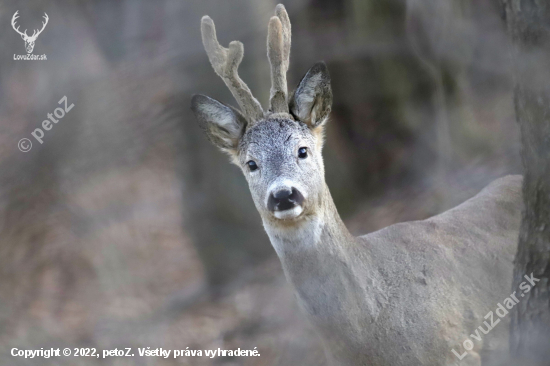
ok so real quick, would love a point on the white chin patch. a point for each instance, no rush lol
(289, 214)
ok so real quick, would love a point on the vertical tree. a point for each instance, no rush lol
(529, 27)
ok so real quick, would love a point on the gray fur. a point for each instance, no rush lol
(410, 293)
(405, 295)
(273, 144)
(402, 296)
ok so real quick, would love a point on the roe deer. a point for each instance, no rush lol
(405, 295)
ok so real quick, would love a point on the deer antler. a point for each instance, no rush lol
(13, 19)
(35, 34)
(225, 62)
(278, 52)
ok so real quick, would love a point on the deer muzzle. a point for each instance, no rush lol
(285, 203)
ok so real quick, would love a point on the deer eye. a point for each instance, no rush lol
(302, 152)
(252, 165)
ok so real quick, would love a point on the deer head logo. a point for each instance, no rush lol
(29, 40)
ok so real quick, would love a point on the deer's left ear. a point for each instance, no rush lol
(223, 124)
(312, 100)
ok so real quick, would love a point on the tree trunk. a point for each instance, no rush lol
(529, 26)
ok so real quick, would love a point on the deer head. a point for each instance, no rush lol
(29, 40)
(278, 150)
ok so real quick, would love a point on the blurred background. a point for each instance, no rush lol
(127, 228)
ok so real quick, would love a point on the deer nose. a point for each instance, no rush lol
(284, 199)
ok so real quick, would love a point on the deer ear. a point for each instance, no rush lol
(223, 124)
(312, 100)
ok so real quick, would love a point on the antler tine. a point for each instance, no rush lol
(13, 19)
(43, 25)
(278, 52)
(281, 13)
(225, 62)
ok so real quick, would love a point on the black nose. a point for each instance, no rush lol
(284, 199)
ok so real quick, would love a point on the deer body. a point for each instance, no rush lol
(404, 295)
(409, 293)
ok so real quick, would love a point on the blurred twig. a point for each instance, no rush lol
(432, 64)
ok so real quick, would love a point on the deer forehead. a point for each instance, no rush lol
(273, 136)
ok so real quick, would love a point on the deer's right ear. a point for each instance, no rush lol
(312, 100)
(223, 124)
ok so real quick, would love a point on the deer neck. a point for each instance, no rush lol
(313, 252)
(334, 277)
(323, 229)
